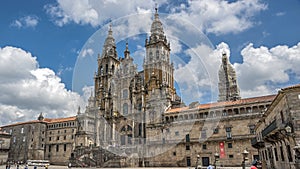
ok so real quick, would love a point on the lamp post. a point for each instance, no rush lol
(245, 158)
(198, 157)
(217, 156)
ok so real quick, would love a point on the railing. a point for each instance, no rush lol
(271, 127)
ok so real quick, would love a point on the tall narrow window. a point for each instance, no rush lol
(125, 108)
(22, 130)
(125, 94)
(65, 147)
(203, 134)
(57, 148)
(228, 133)
(187, 138)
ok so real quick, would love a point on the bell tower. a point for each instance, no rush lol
(108, 62)
(158, 71)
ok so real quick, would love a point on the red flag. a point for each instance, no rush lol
(222, 150)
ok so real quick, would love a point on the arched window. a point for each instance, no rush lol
(125, 108)
(125, 94)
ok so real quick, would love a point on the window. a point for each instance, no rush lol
(176, 133)
(22, 130)
(65, 147)
(203, 134)
(49, 148)
(228, 133)
(230, 156)
(125, 94)
(229, 145)
(57, 148)
(187, 147)
(72, 137)
(281, 153)
(65, 131)
(24, 139)
(275, 152)
(174, 153)
(187, 138)
(204, 147)
(289, 153)
(50, 132)
(14, 140)
(252, 129)
(65, 137)
(163, 140)
(57, 138)
(188, 161)
(216, 130)
(49, 138)
(10, 131)
(125, 108)
(58, 131)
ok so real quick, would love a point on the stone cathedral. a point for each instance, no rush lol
(135, 118)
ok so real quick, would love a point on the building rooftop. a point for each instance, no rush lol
(226, 103)
(45, 120)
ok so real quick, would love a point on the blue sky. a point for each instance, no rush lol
(41, 41)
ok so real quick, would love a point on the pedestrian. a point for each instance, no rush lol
(69, 165)
(210, 167)
(254, 164)
(26, 166)
(35, 167)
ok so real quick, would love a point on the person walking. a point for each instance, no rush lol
(254, 164)
(210, 167)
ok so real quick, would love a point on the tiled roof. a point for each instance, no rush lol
(227, 103)
(60, 119)
(292, 87)
(45, 120)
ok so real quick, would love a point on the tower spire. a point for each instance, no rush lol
(126, 52)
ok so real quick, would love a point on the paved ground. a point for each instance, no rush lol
(65, 167)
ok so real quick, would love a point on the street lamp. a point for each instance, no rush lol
(198, 157)
(217, 156)
(245, 158)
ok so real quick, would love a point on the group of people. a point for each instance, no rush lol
(253, 165)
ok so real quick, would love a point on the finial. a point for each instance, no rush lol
(223, 53)
(156, 9)
(78, 111)
(110, 29)
(126, 45)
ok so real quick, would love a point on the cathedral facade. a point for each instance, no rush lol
(138, 116)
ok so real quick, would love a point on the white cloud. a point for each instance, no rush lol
(197, 79)
(212, 16)
(26, 22)
(264, 70)
(26, 90)
(87, 52)
(280, 13)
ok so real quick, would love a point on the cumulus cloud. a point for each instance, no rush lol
(212, 16)
(30, 21)
(26, 89)
(87, 52)
(264, 70)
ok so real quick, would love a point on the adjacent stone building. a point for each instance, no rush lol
(27, 140)
(42, 139)
(278, 131)
(60, 140)
(4, 146)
